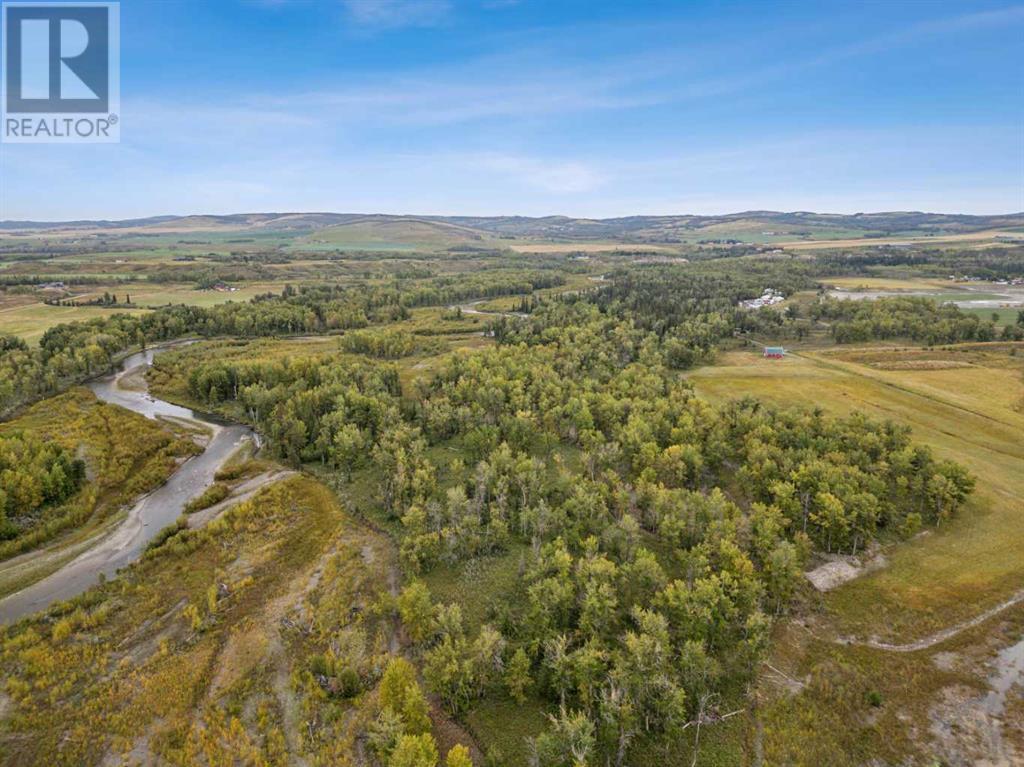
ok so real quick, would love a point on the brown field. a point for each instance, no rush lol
(989, 234)
(588, 247)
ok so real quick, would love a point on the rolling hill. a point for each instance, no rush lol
(352, 231)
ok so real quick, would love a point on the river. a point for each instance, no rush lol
(150, 514)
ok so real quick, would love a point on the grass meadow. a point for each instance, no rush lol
(820, 702)
(28, 317)
(969, 414)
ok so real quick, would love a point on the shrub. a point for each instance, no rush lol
(215, 493)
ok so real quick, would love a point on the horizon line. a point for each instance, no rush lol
(504, 215)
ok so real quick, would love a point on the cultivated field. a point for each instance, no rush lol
(31, 320)
(994, 236)
(886, 283)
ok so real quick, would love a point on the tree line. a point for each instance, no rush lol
(905, 317)
(71, 352)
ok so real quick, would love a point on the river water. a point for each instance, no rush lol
(149, 515)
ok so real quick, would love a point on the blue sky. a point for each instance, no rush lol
(534, 108)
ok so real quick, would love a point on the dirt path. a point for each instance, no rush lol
(470, 308)
(243, 492)
(939, 636)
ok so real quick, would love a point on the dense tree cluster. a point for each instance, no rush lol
(33, 474)
(907, 317)
(631, 643)
(309, 410)
(387, 344)
(462, 287)
(998, 263)
(70, 352)
(686, 311)
(664, 533)
(662, 298)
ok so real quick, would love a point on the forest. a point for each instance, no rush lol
(70, 353)
(917, 319)
(33, 475)
(652, 540)
(663, 538)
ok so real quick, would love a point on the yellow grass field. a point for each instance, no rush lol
(987, 235)
(29, 317)
(160, 295)
(30, 321)
(887, 283)
(970, 414)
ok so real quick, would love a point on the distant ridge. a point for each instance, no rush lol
(644, 228)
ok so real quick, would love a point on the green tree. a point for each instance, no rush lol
(830, 516)
(458, 756)
(385, 731)
(517, 675)
(417, 611)
(347, 449)
(571, 742)
(400, 692)
(558, 663)
(414, 751)
(487, 653)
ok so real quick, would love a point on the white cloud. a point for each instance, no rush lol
(558, 176)
(390, 14)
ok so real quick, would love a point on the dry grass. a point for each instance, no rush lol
(201, 652)
(921, 365)
(821, 712)
(31, 320)
(887, 283)
(987, 235)
(965, 414)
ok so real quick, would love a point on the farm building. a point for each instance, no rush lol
(774, 352)
(770, 297)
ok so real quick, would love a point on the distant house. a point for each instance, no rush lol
(774, 352)
(770, 297)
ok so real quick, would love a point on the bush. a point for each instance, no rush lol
(215, 493)
(166, 534)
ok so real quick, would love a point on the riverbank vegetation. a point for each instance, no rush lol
(211, 648)
(76, 466)
(33, 476)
